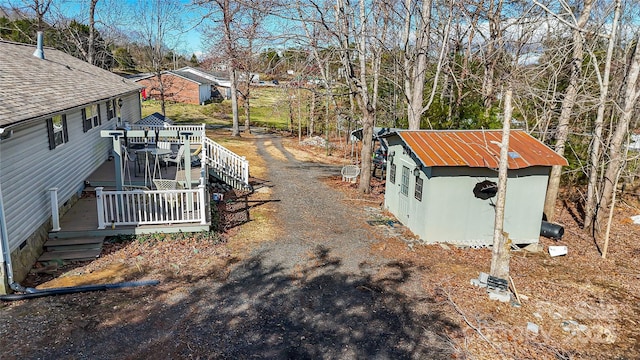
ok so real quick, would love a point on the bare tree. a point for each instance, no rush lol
(568, 103)
(597, 141)
(493, 53)
(617, 158)
(415, 58)
(353, 34)
(159, 26)
(500, 252)
(40, 8)
(224, 36)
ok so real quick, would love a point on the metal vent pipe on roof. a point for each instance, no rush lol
(39, 53)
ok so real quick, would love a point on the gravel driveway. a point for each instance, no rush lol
(315, 293)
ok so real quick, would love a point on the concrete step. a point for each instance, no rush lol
(77, 248)
(76, 255)
(73, 241)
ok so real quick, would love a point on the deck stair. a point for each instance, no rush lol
(226, 165)
(71, 249)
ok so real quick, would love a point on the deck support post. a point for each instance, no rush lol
(55, 215)
(203, 205)
(99, 202)
(245, 171)
(186, 142)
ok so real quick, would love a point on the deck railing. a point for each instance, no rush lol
(149, 207)
(197, 130)
(225, 162)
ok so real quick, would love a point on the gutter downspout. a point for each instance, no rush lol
(6, 254)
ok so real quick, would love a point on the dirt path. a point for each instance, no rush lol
(314, 293)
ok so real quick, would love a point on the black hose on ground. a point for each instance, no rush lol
(76, 289)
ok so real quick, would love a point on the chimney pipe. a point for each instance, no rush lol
(39, 53)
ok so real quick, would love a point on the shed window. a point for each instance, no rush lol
(418, 192)
(392, 173)
(57, 131)
(404, 184)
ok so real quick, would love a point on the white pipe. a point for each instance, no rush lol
(39, 53)
(55, 216)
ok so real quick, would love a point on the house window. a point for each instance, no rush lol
(97, 119)
(404, 183)
(392, 173)
(418, 192)
(117, 104)
(57, 131)
(91, 117)
(111, 113)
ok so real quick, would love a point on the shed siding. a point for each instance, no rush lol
(449, 212)
(28, 168)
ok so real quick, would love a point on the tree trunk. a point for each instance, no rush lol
(594, 166)
(416, 61)
(616, 153)
(493, 55)
(235, 130)
(91, 47)
(562, 131)
(501, 244)
(312, 115)
(247, 107)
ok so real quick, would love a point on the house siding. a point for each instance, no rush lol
(449, 212)
(28, 168)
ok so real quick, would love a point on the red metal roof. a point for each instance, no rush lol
(478, 148)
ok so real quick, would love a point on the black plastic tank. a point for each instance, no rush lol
(551, 230)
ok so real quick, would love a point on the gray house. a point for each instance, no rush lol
(52, 110)
(441, 184)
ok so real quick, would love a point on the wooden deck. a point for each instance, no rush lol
(82, 218)
(105, 175)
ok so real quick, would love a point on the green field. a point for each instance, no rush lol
(269, 108)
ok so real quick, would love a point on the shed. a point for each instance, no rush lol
(441, 184)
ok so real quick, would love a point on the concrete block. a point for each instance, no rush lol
(533, 328)
(483, 277)
(500, 296)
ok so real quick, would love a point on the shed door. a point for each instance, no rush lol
(403, 198)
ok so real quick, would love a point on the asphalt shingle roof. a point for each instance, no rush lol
(155, 119)
(193, 77)
(31, 87)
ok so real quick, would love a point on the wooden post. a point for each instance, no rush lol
(187, 159)
(99, 201)
(55, 215)
(203, 205)
(245, 170)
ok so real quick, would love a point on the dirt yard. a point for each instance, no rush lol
(307, 268)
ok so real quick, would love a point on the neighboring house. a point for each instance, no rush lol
(179, 86)
(441, 184)
(220, 80)
(52, 111)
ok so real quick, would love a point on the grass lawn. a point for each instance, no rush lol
(269, 108)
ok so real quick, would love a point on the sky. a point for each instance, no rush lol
(188, 42)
